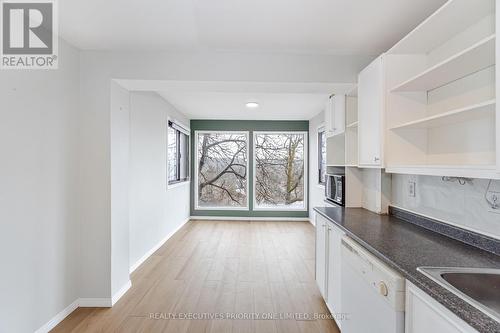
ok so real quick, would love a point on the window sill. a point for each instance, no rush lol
(243, 209)
(279, 209)
(178, 184)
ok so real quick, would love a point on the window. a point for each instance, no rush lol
(221, 170)
(321, 156)
(178, 154)
(280, 163)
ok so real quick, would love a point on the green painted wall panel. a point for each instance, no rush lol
(250, 126)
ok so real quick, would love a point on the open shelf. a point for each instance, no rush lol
(441, 103)
(352, 125)
(464, 114)
(446, 22)
(473, 59)
(472, 171)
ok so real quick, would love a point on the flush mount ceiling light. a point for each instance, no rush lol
(252, 105)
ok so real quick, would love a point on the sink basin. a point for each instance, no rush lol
(478, 286)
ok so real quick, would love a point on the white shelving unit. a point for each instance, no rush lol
(441, 111)
(474, 58)
(342, 153)
(351, 132)
(335, 150)
(448, 21)
(469, 113)
(468, 171)
(342, 148)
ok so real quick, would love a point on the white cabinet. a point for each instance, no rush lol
(321, 254)
(441, 113)
(333, 290)
(328, 245)
(371, 106)
(426, 315)
(335, 115)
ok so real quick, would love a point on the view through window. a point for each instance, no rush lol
(321, 156)
(280, 170)
(177, 154)
(222, 168)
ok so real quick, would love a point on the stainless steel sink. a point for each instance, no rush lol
(478, 286)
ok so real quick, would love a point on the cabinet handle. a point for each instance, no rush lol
(382, 288)
(376, 159)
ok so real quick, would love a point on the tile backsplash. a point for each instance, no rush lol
(449, 201)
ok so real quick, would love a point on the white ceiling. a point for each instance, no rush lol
(299, 26)
(230, 105)
(226, 100)
(315, 27)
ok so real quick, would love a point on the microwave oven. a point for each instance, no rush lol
(335, 189)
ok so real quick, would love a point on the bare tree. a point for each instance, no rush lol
(279, 169)
(222, 169)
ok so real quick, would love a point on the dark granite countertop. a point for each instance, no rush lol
(405, 246)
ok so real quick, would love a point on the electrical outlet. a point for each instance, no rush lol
(412, 189)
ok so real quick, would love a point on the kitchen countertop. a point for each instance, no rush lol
(405, 246)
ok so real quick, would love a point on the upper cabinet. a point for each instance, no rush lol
(371, 108)
(335, 115)
(441, 116)
(341, 118)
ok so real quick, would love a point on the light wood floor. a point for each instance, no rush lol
(219, 268)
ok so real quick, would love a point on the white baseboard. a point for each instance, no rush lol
(102, 302)
(233, 218)
(121, 292)
(58, 318)
(95, 303)
(156, 247)
(80, 302)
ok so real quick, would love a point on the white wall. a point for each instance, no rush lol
(316, 191)
(376, 190)
(120, 176)
(39, 234)
(155, 211)
(461, 205)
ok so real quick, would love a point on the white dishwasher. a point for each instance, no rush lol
(373, 295)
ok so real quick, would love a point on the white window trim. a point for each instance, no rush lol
(187, 181)
(179, 184)
(196, 162)
(306, 175)
(321, 128)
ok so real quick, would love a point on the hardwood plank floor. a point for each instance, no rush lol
(231, 269)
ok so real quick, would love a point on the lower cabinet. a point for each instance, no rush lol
(321, 255)
(426, 315)
(328, 245)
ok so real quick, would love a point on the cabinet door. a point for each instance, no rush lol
(370, 113)
(329, 118)
(321, 225)
(339, 106)
(425, 315)
(333, 277)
